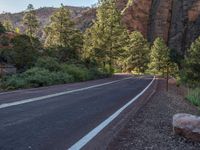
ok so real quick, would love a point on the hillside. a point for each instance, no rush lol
(82, 16)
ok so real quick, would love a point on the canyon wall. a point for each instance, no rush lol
(176, 21)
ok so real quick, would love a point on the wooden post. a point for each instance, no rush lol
(167, 83)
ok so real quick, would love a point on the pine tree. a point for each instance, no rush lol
(192, 64)
(104, 40)
(30, 21)
(160, 59)
(8, 25)
(160, 56)
(137, 53)
(24, 54)
(61, 34)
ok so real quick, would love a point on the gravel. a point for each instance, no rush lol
(151, 127)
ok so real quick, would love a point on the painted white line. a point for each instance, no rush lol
(5, 105)
(83, 141)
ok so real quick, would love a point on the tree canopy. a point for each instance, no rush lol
(160, 56)
(137, 53)
(30, 21)
(192, 64)
(61, 34)
(104, 40)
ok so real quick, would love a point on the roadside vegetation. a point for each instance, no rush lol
(194, 96)
(191, 73)
(66, 54)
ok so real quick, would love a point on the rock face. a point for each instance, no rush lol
(159, 22)
(187, 125)
(176, 21)
(185, 23)
(136, 15)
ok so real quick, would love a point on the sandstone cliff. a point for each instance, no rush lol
(177, 21)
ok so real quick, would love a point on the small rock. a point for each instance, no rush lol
(187, 125)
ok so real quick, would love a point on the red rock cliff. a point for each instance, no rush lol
(176, 21)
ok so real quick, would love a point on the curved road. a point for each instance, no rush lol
(55, 118)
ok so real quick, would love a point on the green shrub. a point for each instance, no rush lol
(61, 78)
(48, 63)
(37, 77)
(79, 73)
(95, 73)
(194, 96)
(14, 82)
(48, 73)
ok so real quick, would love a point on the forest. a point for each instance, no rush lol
(67, 54)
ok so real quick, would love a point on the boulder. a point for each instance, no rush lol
(187, 125)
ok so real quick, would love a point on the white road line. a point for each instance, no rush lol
(5, 105)
(83, 141)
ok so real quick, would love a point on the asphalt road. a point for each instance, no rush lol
(57, 122)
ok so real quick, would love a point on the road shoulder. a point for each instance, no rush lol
(151, 126)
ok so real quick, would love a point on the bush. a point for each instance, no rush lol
(98, 73)
(48, 63)
(61, 78)
(48, 73)
(79, 73)
(14, 82)
(36, 77)
(194, 96)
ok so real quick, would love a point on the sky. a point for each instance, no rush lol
(20, 5)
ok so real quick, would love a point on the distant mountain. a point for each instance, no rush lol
(82, 17)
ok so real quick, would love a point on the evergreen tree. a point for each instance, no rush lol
(30, 21)
(2, 28)
(160, 56)
(137, 53)
(192, 64)
(160, 59)
(8, 25)
(24, 54)
(104, 40)
(62, 35)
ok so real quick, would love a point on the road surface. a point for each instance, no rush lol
(55, 118)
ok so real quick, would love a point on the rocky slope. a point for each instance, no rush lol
(81, 15)
(177, 21)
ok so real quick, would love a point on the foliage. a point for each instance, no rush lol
(17, 30)
(62, 36)
(160, 56)
(36, 77)
(45, 74)
(30, 21)
(104, 41)
(137, 53)
(191, 71)
(81, 73)
(194, 96)
(48, 63)
(24, 55)
(8, 25)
